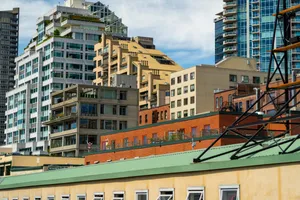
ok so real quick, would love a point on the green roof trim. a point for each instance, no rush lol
(173, 121)
(154, 165)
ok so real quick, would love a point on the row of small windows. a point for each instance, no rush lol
(245, 79)
(185, 102)
(193, 193)
(186, 77)
(162, 116)
(185, 114)
(185, 90)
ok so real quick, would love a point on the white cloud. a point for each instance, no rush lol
(30, 10)
(174, 24)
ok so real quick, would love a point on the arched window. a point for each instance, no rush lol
(221, 102)
(217, 102)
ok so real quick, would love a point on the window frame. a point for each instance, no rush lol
(63, 196)
(228, 188)
(118, 198)
(195, 190)
(37, 197)
(80, 196)
(99, 198)
(165, 190)
(26, 198)
(141, 191)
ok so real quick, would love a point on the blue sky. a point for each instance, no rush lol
(184, 30)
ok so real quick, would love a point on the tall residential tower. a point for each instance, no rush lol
(9, 34)
(248, 31)
(59, 55)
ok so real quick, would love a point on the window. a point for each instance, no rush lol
(178, 114)
(179, 103)
(185, 89)
(217, 102)
(192, 88)
(185, 77)
(185, 101)
(122, 125)
(192, 100)
(256, 79)
(172, 93)
(50, 197)
(37, 198)
(172, 104)
(179, 79)
(146, 118)
(185, 113)
(192, 112)
(172, 81)
(141, 195)
(81, 197)
(178, 91)
(119, 196)
(172, 115)
(166, 194)
(141, 118)
(245, 79)
(229, 193)
(99, 196)
(123, 110)
(25, 198)
(232, 78)
(123, 95)
(221, 102)
(195, 194)
(65, 197)
(192, 76)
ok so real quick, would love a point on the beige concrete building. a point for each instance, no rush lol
(192, 90)
(262, 176)
(136, 56)
(12, 165)
(82, 112)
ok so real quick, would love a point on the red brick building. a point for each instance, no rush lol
(154, 115)
(194, 132)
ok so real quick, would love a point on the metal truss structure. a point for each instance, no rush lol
(288, 90)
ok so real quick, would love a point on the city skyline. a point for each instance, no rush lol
(194, 44)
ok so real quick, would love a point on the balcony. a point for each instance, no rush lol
(230, 34)
(229, 42)
(256, 47)
(229, 12)
(229, 27)
(229, 20)
(255, 9)
(60, 117)
(230, 55)
(255, 1)
(229, 49)
(231, 4)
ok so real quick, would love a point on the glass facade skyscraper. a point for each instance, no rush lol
(218, 39)
(9, 37)
(248, 30)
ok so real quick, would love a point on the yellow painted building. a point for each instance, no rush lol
(11, 165)
(136, 56)
(265, 175)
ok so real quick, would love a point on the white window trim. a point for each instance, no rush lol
(98, 193)
(65, 196)
(233, 187)
(195, 189)
(50, 196)
(80, 195)
(119, 192)
(165, 190)
(141, 191)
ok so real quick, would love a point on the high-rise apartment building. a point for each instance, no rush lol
(59, 55)
(136, 56)
(248, 31)
(219, 38)
(9, 36)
